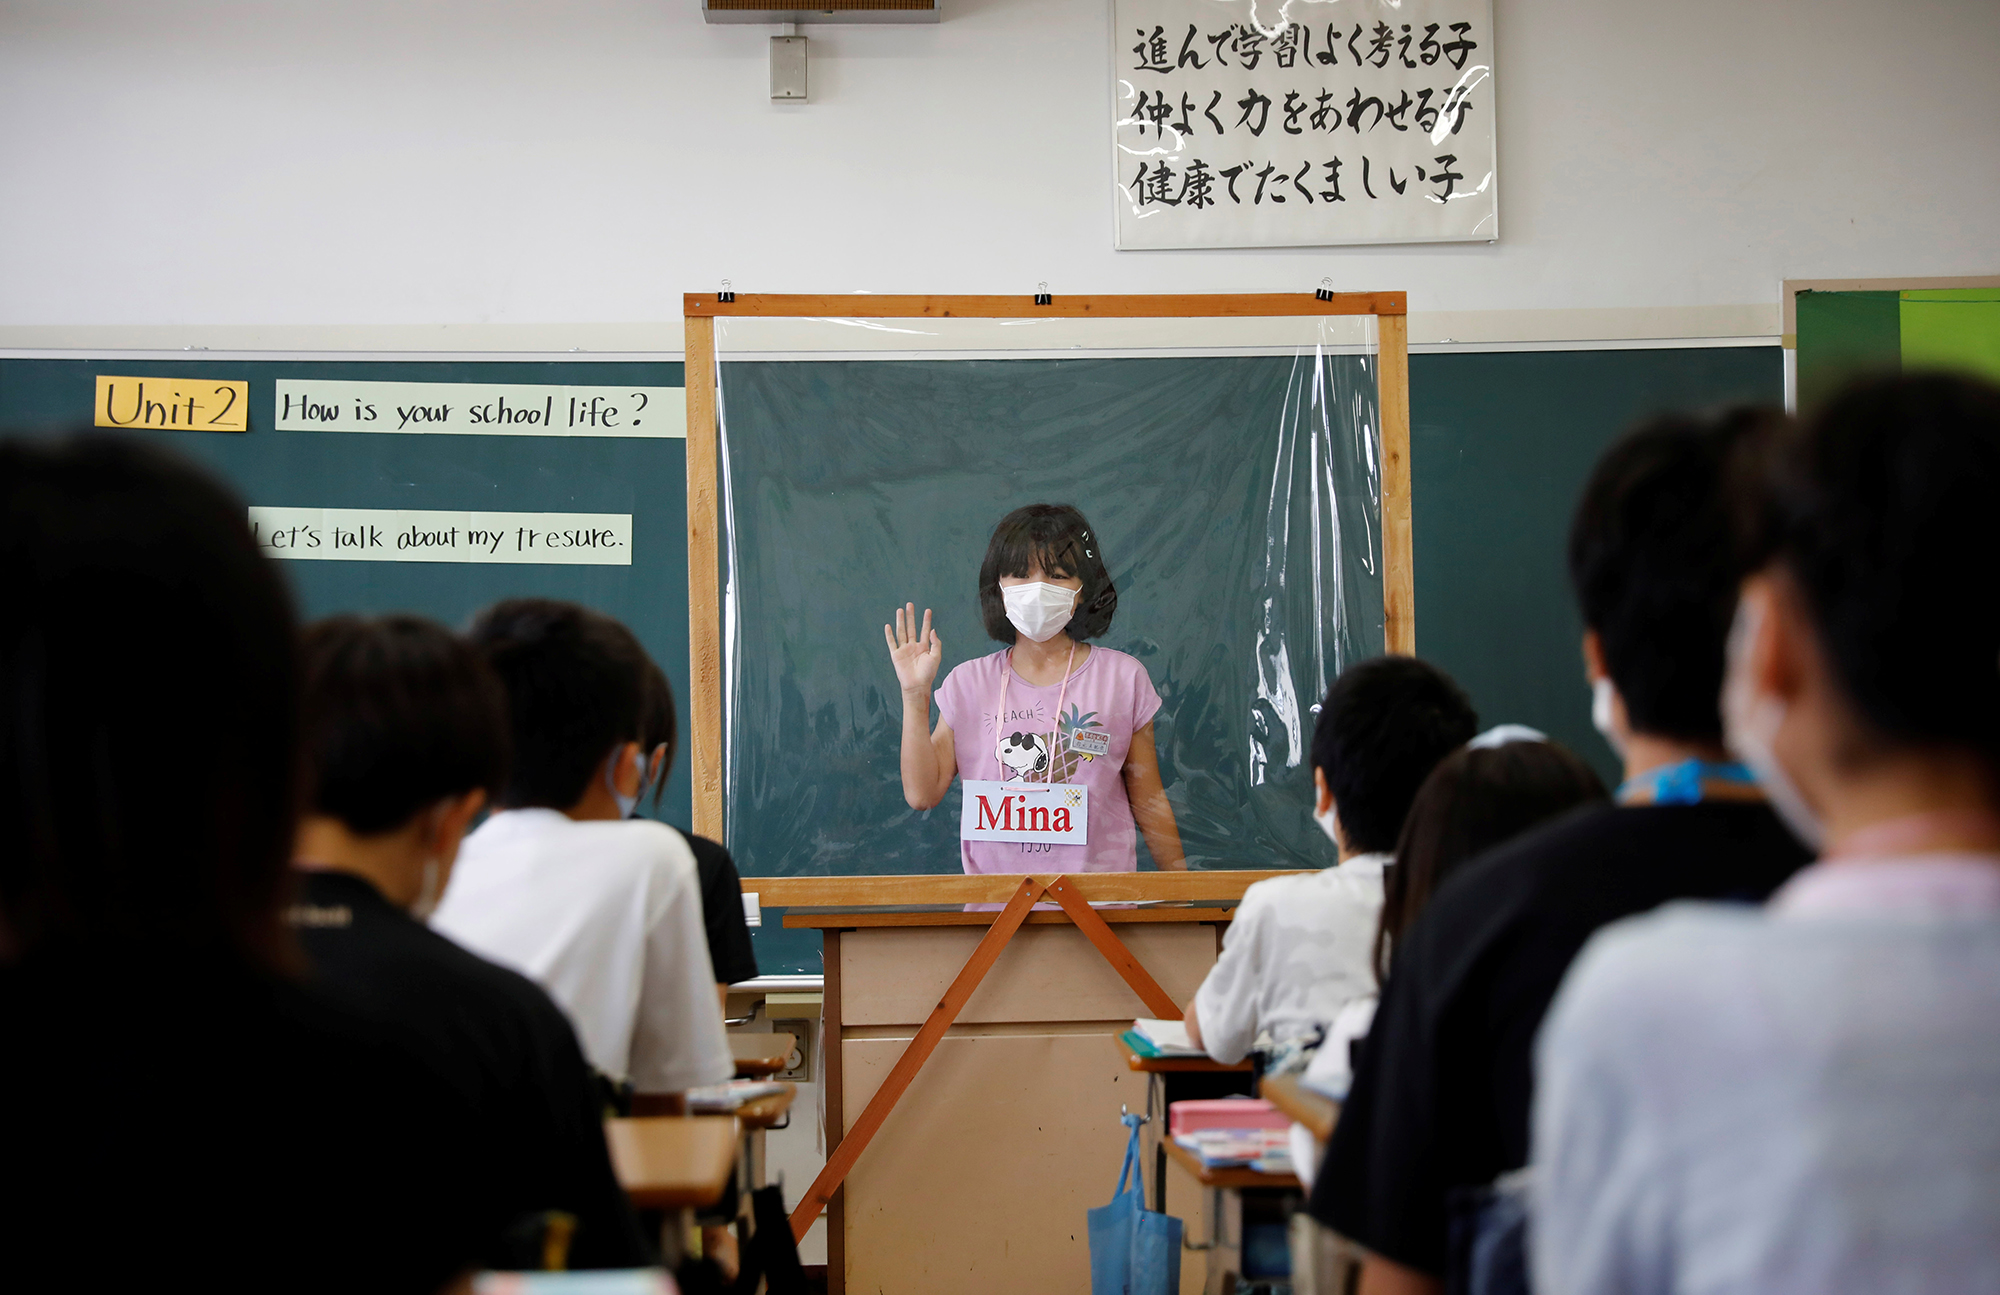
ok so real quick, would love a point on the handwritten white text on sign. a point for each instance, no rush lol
(429, 535)
(477, 408)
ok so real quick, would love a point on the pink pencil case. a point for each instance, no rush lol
(1224, 1113)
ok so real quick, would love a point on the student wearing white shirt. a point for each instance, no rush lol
(1805, 1097)
(1299, 949)
(603, 912)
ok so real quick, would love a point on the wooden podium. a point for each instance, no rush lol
(1007, 1130)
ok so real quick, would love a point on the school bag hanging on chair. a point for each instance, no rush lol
(1133, 1250)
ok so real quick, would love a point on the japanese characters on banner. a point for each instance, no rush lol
(1286, 123)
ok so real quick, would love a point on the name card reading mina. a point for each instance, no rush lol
(477, 408)
(422, 535)
(1053, 813)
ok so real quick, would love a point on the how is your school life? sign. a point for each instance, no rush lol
(1289, 123)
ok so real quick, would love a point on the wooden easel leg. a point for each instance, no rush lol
(1099, 933)
(841, 1159)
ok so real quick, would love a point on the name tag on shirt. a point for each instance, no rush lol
(1053, 813)
(1092, 742)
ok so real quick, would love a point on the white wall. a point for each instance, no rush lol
(474, 162)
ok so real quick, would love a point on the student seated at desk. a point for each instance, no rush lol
(730, 952)
(1439, 1107)
(405, 735)
(1505, 781)
(177, 1100)
(1804, 1097)
(603, 913)
(1298, 949)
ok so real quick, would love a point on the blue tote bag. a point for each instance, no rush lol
(1133, 1250)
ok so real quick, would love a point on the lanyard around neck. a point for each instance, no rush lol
(1685, 782)
(1006, 677)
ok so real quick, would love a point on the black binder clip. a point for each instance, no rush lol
(727, 294)
(1042, 295)
(1325, 292)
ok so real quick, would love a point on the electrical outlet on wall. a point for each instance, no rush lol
(798, 1066)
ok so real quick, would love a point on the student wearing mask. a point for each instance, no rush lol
(1297, 950)
(156, 1029)
(1805, 1097)
(730, 952)
(1505, 781)
(1439, 1106)
(603, 913)
(1065, 725)
(405, 737)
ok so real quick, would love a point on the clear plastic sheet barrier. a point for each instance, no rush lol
(1230, 468)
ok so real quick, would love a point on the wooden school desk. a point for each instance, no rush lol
(758, 1055)
(1159, 1094)
(1222, 1189)
(674, 1163)
(1316, 1111)
(979, 1178)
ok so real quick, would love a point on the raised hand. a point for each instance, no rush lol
(914, 652)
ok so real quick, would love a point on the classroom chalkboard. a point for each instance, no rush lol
(1501, 446)
(1501, 443)
(646, 478)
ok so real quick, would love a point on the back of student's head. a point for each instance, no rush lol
(574, 680)
(1476, 798)
(148, 726)
(1881, 509)
(399, 713)
(1383, 727)
(1654, 563)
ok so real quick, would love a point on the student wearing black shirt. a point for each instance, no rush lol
(729, 947)
(405, 734)
(1441, 1097)
(176, 1099)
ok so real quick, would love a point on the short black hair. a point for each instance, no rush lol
(399, 714)
(659, 723)
(1058, 539)
(1383, 727)
(1655, 563)
(138, 609)
(574, 680)
(1474, 800)
(1881, 509)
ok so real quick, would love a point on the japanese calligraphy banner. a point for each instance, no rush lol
(1288, 123)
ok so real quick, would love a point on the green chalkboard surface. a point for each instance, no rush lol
(1500, 446)
(644, 477)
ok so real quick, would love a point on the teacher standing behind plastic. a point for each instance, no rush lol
(1053, 735)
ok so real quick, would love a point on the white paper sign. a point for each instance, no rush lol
(477, 408)
(1255, 123)
(1057, 813)
(425, 535)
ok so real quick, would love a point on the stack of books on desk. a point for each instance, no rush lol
(1151, 1038)
(1266, 1150)
(727, 1097)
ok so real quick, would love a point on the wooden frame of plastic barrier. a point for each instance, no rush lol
(704, 540)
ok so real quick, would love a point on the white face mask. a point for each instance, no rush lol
(1603, 695)
(429, 892)
(1326, 825)
(1750, 725)
(1039, 610)
(626, 804)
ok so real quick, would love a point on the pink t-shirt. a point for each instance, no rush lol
(1110, 693)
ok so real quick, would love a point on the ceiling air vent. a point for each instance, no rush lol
(824, 11)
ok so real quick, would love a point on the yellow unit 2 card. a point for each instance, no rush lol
(190, 404)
